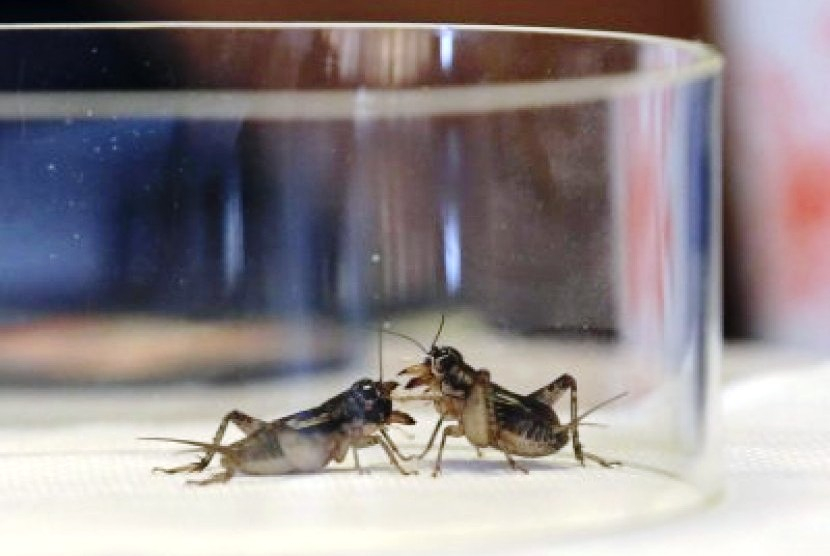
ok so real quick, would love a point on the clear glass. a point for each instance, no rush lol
(196, 218)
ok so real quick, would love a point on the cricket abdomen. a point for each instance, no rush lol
(265, 466)
(278, 450)
(528, 445)
(528, 429)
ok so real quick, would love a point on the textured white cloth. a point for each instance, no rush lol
(86, 488)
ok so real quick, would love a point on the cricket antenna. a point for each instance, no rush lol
(380, 352)
(438, 334)
(409, 338)
(579, 420)
(600, 405)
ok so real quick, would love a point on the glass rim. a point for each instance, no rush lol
(363, 102)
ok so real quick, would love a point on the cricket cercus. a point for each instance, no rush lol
(489, 415)
(305, 441)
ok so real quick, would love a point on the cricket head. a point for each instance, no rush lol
(438, 365)
(371, 401)
(442, 364)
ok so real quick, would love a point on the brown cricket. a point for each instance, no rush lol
(491, 416)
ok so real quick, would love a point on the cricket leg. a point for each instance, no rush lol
(341, 450)
(244, 422)
(356, 445)
(357, 467)
(450, 430)
(187, 468)
(513, 465)
(393, 446)
(551, 393)
(390, 452)
(432, 438)
(230, 464)
(368, 441)
(601, 461)
(221, 477)
(415, 397)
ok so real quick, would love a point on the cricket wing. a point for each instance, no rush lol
(312, 421)
(523, 415)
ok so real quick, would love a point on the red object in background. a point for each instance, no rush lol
(777, 77)
(805, 217)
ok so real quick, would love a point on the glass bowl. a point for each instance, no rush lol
(199, 217)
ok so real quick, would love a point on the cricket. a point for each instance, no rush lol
(306, 441)
(491, 416)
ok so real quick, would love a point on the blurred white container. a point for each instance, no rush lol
(777, 81)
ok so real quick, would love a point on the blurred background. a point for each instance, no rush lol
(777, 199)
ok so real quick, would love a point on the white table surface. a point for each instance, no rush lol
(84, 488)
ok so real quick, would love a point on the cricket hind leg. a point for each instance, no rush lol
(601, 461)
(230, 462)
(217, 478)
(550, 394)
(194, 467)
(513, 465)
(242, 421)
